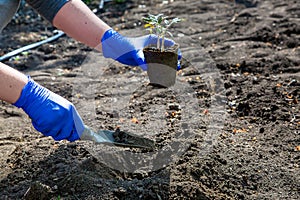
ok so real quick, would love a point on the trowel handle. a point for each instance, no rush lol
(89, 134)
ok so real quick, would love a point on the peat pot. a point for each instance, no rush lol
(162, 66)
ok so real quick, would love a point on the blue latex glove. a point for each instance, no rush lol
(50, 113)
(129, 51)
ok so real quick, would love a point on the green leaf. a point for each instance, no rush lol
(159, 25)
(160, 19)
(87, 1)
(169, 33)
(176, 20)
(120, 1)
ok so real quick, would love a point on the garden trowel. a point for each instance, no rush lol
(117, 137)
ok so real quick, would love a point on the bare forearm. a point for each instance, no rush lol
(11, 82)
(80, 23)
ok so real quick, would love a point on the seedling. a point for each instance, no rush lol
(159, 25)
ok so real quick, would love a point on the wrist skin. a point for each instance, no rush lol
(12, 82)
(80, 23)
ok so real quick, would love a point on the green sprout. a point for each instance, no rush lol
(159, 25)
(87, 1)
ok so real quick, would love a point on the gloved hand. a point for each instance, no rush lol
(50, 113)
(129, 51)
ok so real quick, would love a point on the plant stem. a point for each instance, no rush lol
(163, 44)
(158, 42)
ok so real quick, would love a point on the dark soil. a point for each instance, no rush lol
(123, 138)
(228, 129)
(169, 57)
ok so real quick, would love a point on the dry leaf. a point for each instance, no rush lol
(205, 112)
(295, 101)
(243, 130)
(135, 120)
(269, 44)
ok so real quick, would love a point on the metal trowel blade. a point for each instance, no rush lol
(118, 138)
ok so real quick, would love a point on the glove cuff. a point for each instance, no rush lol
(109, 33)
(24, 93)
(109, 45)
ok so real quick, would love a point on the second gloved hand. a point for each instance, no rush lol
(129, 51)
(50, 113)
